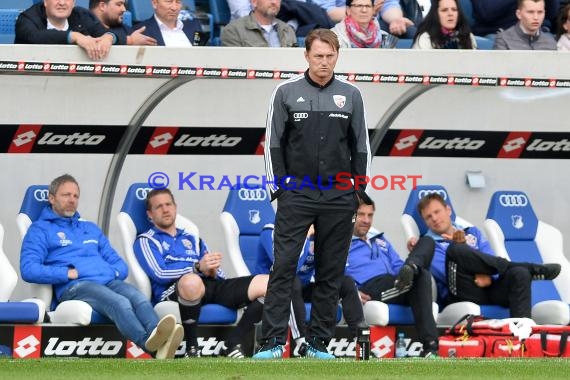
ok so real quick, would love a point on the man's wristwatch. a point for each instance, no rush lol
(197, 267)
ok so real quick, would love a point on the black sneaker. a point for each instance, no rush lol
(192, 352)
(430, 350)
(316, 349)
(405, 277)
(545, 271)
(234, 352)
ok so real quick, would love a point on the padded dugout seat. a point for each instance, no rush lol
(26, 311)
(133, 221)
(414, 226)
(515, 233)
(8, 19)
(246, 211)
(74, 311)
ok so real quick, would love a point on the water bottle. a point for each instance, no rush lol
(401, 351)
(363, 343)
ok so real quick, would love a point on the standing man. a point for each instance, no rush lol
(110, 13)
(316, 132)
(526, 34)
(261, 28)
(75, 257)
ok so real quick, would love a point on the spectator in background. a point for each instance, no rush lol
(359, 29)
(303, 16)
(261, 28)
(526, 34)
(444, 27)
(563, 34)
(400, 18)
(494, 15)
(166, 28)
(110, 14)
(59, 22)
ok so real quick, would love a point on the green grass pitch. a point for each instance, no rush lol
(227, 369)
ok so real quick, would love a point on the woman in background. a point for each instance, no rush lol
(444, 27)
(563, 35)
(360, 27)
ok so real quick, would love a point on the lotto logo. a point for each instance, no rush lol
(27, 346)
(27, 341)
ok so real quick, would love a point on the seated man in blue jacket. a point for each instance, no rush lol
(181, 268)
(54, 22)
(77, 259)
(166, 28)
(465, 267)
(381, 275)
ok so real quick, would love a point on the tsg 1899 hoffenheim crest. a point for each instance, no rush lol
(339, 100)
(254, 217)
(517, 221)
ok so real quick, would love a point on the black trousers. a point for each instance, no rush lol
(419, 297)
(350, 301)
(511, 289)
(333, 220)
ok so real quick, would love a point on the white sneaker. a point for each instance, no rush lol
(168, 349)
(160, 333)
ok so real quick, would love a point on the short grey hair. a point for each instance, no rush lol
(56, 183)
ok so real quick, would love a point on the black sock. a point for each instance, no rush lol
(250, 317)
(190, 313)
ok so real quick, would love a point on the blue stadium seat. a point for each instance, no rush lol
(246, 211)
(414, 226)
(515, 233)
(140, 9)
(220, 12)
(8, 19)
(82, 3)
(76, 312)
(128, 18)
(16, 4)
(485, 43)
(404, 43)
(27, 311)
(467, 8)
(133, 221)
(202, 15)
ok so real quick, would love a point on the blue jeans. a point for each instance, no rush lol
(122, 303)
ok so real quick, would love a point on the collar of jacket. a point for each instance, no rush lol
(315, 84)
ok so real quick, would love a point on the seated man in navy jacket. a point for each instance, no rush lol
(381, 275)
(165, 27)
(60, 22)
(110, 13)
